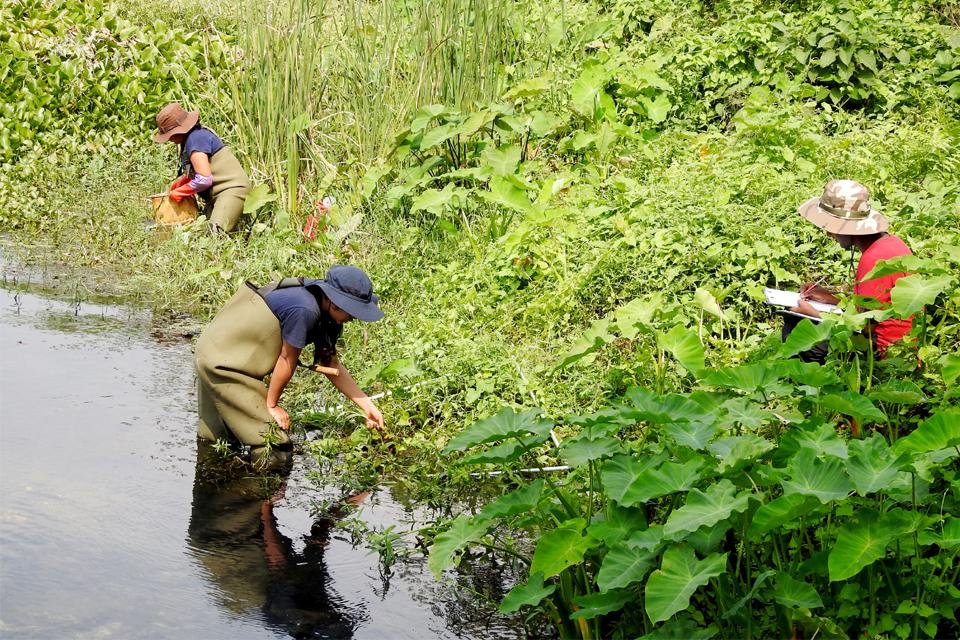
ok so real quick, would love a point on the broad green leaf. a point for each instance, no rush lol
(665, 409)
(586, 89)
(730, 452)
(807, 373)
(502, 160)
(620, 475)
(618, 524)
(938, 432)
(898, 391)
(859, 544)
(746, 413)
(463, 530)
(685, 347)
(585, 447)
(506, 193)
(504, 452)
(779, 512)
(821, 439)
(669, 588)
(850, 403)
(695, 435)
(804, 336)
(706, 301)
(424, 115)
(658, 108)
(746, 377)
(526, 594)
(704, 509)
(530, 87)
(505, 424)
(623, 565)
(637, 312)
(681, 629)
(520, 500)
(950, 368)
(795, 594)
(560, 548)
(945, 535)
(911, 293)
(630, 481)
(257, 197)
(593, 340)
(873, 465)
(438, 135)
(598, 604)
(866, 58)
(810, 476)
(908, 264)
(433, 200)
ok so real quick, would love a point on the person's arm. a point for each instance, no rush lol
(345, 383)
(282, 372)
(813, 291)
(198, 182)
(806, 309)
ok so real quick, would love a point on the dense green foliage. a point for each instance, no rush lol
(571, 205)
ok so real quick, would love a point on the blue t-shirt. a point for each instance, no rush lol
(302, 321)
(198, 139)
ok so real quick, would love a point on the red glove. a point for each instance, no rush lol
(181, 192)
(179, 182)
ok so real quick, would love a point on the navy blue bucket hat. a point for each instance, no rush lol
(350, 289)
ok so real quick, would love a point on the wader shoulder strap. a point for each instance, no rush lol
(286, 283)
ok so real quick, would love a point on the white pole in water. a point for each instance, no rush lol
(562, 467)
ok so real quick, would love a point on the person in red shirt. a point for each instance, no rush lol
(844, 212)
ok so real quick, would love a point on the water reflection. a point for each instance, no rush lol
(256, 570)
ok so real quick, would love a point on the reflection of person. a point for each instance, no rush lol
(261, 332)
(844, 212)
(255, 569)
(206, 168)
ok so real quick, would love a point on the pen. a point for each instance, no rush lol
(806, 290)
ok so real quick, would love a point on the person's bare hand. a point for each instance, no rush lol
(279, 414)
(812, 291)
(806, 309)
(375, 419)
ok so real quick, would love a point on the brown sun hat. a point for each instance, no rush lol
(844, 209)
(172, 120)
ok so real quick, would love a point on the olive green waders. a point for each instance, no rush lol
(229, 190)
(236, 351)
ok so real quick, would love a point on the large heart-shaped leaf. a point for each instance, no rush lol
(504, 452)
(685, 347)
(779, 512)
(860, 544)
(620, 476)
(463, 530)
(587, 446)
(733, 451)
(898, 391)
(558, 549)
(746, 413)
(526, 594)
(669, 588)
(795, 594)
(739, 604)
(506, 193)
(810, 476)
(632, 481)
(703, 509)
(507, 423)
(623, 565)
(665, 409)
(853, 404)
(950, 368)
(636, 313)
(911, 293)
(873, 465)
(520, 500)
(746, 377)
(695, 435)
(938, 432)
(804, 336)
(821, 439)
(807, 373)
(618, 523)
(502, 160)
(598, 604)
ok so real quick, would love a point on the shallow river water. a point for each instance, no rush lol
(109, 528)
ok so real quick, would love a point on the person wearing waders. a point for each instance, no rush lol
(260, 332)
(206, 167)
(843, 211)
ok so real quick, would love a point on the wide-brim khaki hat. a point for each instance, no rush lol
(844, 209)
(173, 119)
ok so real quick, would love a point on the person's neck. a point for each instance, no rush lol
(863, 242)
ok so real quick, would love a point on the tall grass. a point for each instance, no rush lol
(317, 83)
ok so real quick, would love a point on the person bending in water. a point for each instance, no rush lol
(260, 332)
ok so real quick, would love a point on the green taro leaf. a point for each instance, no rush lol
(463, 530)
(502, 160)
(807, 373)
(681, 629)
(618, 524)
(859, 544)
(506, 193)
(795, 594)
(598, 604)
(518, 501)
(938, 432)
(558, 549)
(505, 424)
(908, 264)
(946, 536)
(439, 134)
(669, 588)
(433, 200)
(821, 440)
(873, 465)
(810, 476)
(779, 512)
(739, 604)
(623, 565)
(631, 481)
(950, 368)
(695, 435)
(746, 413)
(685, 347)
(526, 594)
(730, 452)
(665, 409)
(257, 198)
(585, 447)
(746, 377)
(898, 391)
(911, 293)
(853, 404)
(638, 312)
(704, 509)
(805, 335)
(504, 452)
